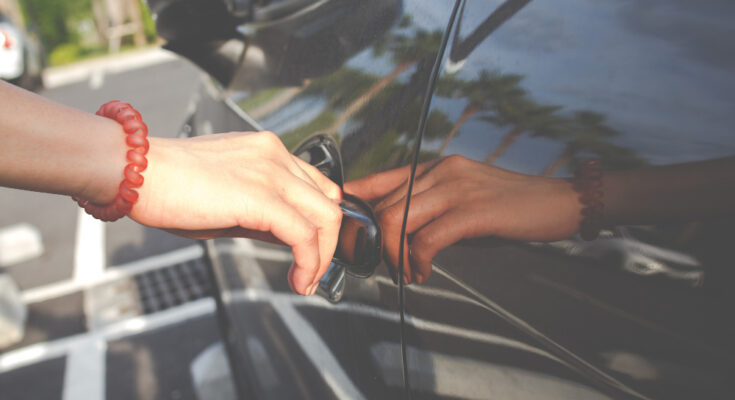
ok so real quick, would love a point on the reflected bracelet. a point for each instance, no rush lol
(136, 133)
(589, 185)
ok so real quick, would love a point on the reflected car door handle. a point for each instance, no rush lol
(359, 249)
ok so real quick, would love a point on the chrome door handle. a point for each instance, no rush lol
(360, 245)
(359, 249)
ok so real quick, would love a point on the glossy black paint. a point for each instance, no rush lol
(645, 308)
(530, 86)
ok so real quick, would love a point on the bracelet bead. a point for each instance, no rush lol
(136, 138)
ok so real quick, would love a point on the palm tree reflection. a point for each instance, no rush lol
(586, 133)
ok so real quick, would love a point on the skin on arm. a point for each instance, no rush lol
(456, 198)
(53, 148)
(234, 184)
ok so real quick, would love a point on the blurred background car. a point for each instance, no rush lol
(21, 56)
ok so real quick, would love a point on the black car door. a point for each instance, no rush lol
(343, 83)
(535, 87)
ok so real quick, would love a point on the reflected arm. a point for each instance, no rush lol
(672, 193)
(455, 198)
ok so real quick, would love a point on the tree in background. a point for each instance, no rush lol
(64, 26)
(53, 19)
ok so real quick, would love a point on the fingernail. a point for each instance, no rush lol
(392, 273)
(313, 288)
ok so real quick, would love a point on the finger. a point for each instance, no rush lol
(295, 230)
(378, 185)
(425, 207)
(430, 204)
(390, 221)
(329, 188)
(233, 232)
(322, 212)
(295, 167)
(427, 175)
(381, 184)
(440, 233)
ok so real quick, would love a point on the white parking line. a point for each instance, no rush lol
(89, 252)
(96, 78)
(57, 348)
(84, 375)
(317, 350)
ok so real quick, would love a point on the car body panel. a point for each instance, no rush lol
(638, 316)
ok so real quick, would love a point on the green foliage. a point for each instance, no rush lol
(70, 52)
(341, 87)
(149, 25)
(377, 156)
(294, 137)
(64, 54)
(55, 19)
(259, 98)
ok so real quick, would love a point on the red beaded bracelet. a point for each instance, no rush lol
(136, 137)
(589, 184)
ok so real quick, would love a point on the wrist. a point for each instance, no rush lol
(569, 208)
(103, 163)
(135, 134)
(157, 160)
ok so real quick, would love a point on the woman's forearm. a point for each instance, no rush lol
(52, 148)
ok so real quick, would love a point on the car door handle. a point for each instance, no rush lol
(360, 245)
(359, 249)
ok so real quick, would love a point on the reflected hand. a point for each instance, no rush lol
(243, 185)
(456, 198)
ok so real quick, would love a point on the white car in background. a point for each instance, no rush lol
(20, 56)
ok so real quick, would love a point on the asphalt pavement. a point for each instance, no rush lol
(102, 322)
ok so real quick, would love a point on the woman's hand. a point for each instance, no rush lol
(243, 185)
(456, 198)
